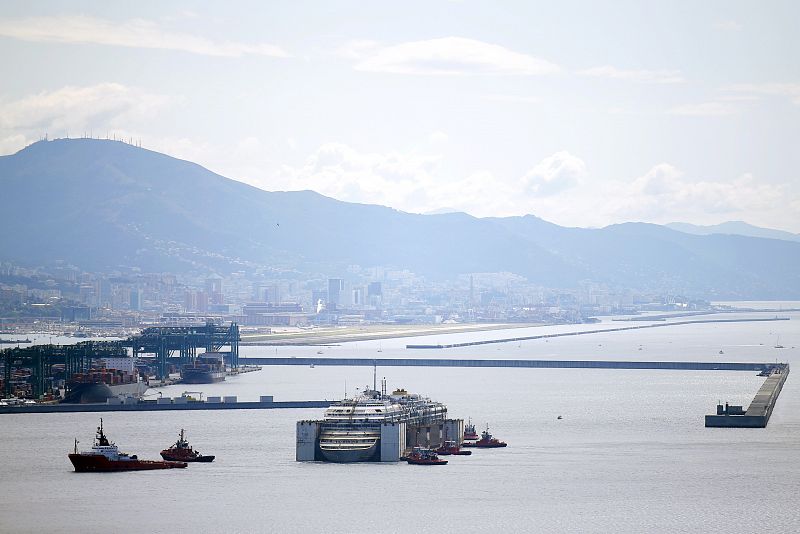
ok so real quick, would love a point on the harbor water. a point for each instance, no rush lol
(629, 454)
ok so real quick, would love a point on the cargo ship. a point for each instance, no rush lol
(351, 428)
(105, 456)
(207, 368)
(98, 385)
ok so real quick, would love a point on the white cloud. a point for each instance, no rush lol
(664, 193)
(554, 174)
(517, 99)
(728, 25)
(77, 111)
(134, 33)
(639, 76)
(339, 171)
(438, 137)
(357, 49)
(704, 109)
(448, 56)
(788, 90)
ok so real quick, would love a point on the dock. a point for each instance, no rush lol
(760, 409)
(594, 331)
(153, 406)
(536, 364)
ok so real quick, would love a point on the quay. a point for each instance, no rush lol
(154, 406)
(536, 364)
(759, 411)
(594, 331)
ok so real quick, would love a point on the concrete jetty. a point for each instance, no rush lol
(593, 331)
(759, 411)
(153, 406)
(537, 364)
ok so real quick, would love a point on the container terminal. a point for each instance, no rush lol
(92, 371)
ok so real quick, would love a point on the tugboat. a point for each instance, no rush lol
(105, 457)
(181, 451)
(469, 431)
(423, 456)
(451, 447)
(486, 441)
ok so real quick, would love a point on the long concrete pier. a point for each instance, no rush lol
(594, 331)
(151, 406)
(538, 364)
(759, 411)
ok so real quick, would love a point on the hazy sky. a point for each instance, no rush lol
(583, 113)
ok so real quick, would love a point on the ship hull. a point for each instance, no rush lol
(413, 461)
(84, 463)
(99, 392)
(341, 455)
(178, 458)
(201, 377)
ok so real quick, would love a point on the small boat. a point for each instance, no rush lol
(423, 456)
(721, 351)
(451, 447)
(181, 451)
(106, 457)
(486, 441)
(469, 431)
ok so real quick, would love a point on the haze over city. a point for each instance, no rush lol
(584, 115)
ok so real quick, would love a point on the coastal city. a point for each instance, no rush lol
(65, 299)
(399, 268)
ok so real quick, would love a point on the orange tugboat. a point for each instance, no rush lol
(423, 456)
(469, 431)
(181, 451)
(451, 447)
(486, 441)
(105, 456)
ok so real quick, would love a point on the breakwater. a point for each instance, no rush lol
(536, 364)
(152, 406)
(759, 411)
(594, 331)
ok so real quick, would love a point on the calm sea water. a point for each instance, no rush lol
(630, 454)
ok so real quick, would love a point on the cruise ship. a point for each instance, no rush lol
(351, 428)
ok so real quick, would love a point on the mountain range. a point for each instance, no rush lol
(106, 205)
(734, 228)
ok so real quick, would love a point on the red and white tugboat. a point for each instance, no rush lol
(451, 447)
(486, 441)
(181, 451)
(423, 456)
(469, 432)
(105, 456)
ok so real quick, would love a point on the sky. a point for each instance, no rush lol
(581, 113)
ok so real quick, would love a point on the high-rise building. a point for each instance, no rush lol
(189, 301)
(335, 289)
(136, 299)
(214, 290)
